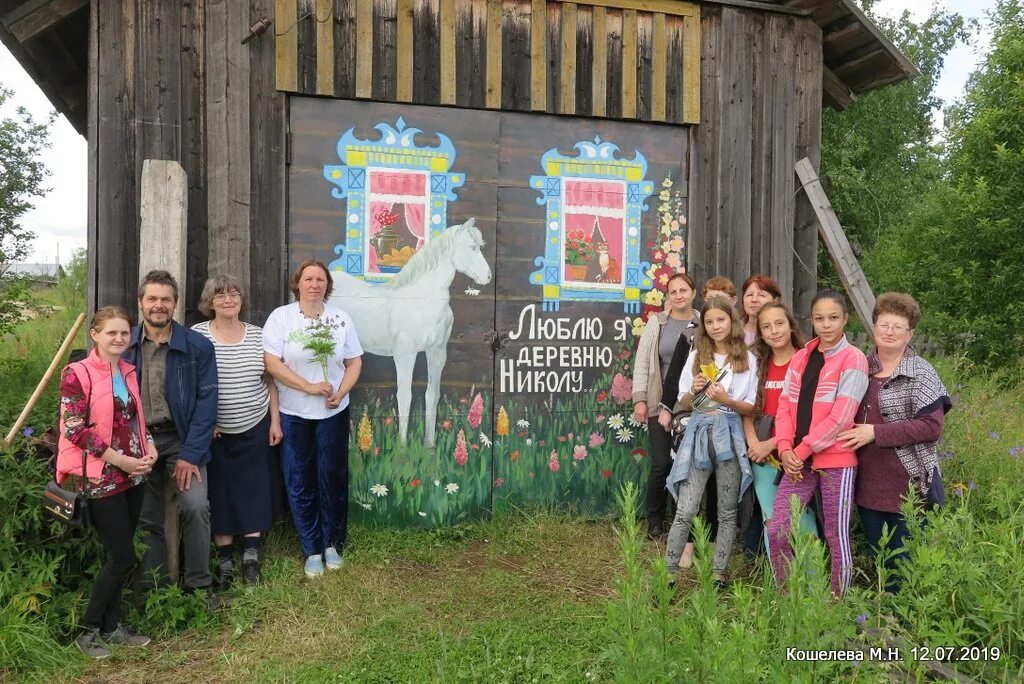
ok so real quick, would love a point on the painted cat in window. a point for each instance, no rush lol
(608, 270)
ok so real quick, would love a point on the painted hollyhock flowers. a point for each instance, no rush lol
(476, 411)
(461, 450)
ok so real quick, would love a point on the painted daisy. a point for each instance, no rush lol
(616, 422)
(633, 422)
(523, 424)
(529, 441)
(624, 435)
(485, 440)
(379, 490)
(472, 291)
(451, 487)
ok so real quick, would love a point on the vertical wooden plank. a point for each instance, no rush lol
(734, 198)
(159, 86)
(344, 55)
(494, 53)
(782, 130)
(364, 48)
(599, 70)
(691, 67)
(447, 35)
(704, 158)
(268, 248)
(584, 60)
(613, 87)
(658, 81)
(674, 69)
(324, 47)
(553, 48)
(193, 135)
(228, 144)
(471, 53)
(405, 52)
(286, 45)
(307, 36)
(629, 58)
(516, 58)
(92, 138)
(385, 50)
(426, 52)
(760, 206)
(567, 104)
(644, 62)
(807, 109)
(538, 55)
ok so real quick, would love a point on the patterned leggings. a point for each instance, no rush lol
(836, 486)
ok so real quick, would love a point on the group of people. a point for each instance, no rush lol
(743, 414)
(157, 405)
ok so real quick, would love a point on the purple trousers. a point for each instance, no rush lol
(836, 487)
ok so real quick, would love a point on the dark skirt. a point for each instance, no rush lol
(239, 487)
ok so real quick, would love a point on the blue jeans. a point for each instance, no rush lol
(314, 457)
(873, 522)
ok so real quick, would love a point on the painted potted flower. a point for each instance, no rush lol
(579, 252)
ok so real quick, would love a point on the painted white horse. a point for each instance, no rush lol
(411, 313)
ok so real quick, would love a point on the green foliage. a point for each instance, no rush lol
(72, 286)
(169, 610)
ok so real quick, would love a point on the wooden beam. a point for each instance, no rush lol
(838, 245)
(659, 84)
(494, 15)
(691, 69)
(538, 55)
(567, 96)
(32, 18)
(905, 64)
(447, 36)
(761, 6)
(837, 94)
(629, 58)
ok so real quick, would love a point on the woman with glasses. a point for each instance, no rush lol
(897, 428)
(248, 424)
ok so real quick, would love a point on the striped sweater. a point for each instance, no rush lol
(841, 386)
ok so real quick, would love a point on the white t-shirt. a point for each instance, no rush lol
(285, 335)
(739, 386)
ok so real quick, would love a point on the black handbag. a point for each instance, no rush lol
(68, 507)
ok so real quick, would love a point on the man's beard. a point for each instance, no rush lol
(158, 324)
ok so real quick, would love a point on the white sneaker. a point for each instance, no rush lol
(332, 558)
(314, 566)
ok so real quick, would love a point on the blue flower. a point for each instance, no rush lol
(862, 618)
(958, 490)
(994, 435)
(28, 432)
(972, 485)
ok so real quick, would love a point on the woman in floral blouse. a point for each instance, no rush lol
(105, 453)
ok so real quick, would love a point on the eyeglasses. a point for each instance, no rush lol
(891, 328)
(225, 296)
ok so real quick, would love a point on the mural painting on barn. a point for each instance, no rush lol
(521, 255)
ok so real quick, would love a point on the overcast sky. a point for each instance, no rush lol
(58, 219)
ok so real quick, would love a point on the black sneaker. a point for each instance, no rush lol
(225, 576)
(122, 636)
(88, 642)
(655, 530)
(251, 571)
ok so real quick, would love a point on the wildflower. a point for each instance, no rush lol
(366, 506)
(958, 490)
(28, 432)
(638, 326)
(485, 440)
(673, 260)
(476, 411)
(498, 481)
(437, 483)
(451, 487)
(364, 432)
(529, 441)
(501, 428)
(540, 442)
(654, 298)
(601, 396)
(596, 440)
(376, 451)
(523, 424)
(461, 452)
(972, 485)
(579, 452)
(616, 422)
(676, 243)
(994, 435)
(599, 418)
(553, 463)
(667, 183)
(624, 435)
(415, 482)
(422, 514)
(562, 438)
(622, 388)
(474, 446)
(606, 473)
(1016, 451)
(633, 422)
(639, 454)
(862, 618)
(446, 424)
(532, 474)
(514, 456)
(388, 420)
(472, 291)
(379, 490)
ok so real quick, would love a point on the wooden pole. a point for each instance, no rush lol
(836, 242)
(46, 378)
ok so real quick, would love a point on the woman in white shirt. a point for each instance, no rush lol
(714, 436)
(313, 352)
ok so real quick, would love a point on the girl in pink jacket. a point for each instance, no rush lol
(824, 386)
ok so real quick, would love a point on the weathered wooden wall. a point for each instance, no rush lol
(629, 59)
(171, 81)
(760, 112)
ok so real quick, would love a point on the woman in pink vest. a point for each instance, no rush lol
(102, 426)
(824, 385)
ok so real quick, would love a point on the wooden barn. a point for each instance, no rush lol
(599, 145)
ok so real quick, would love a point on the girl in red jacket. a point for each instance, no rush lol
(824, 385)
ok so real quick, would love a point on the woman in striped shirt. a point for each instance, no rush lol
(248, 424)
